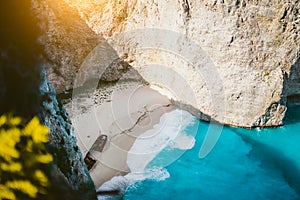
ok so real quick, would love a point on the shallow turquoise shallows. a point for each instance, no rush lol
(244, 164)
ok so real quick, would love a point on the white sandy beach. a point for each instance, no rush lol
(128, 113)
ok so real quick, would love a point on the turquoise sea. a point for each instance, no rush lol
(244, 165)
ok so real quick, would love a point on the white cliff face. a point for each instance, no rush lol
(231, 60)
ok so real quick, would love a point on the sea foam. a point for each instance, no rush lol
(168, 133)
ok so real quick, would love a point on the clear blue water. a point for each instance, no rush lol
(244, 164)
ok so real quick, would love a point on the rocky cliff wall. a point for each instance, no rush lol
(70, 177)
(26, 92)
(237, 58)
(64, 32)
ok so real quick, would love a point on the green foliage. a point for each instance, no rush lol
(24, 161)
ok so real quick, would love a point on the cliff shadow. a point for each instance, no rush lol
(19, 60)
(292, 91)
(102, 68)
(292, 115)
(273, 158)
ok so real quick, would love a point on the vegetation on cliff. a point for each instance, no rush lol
(24, 161)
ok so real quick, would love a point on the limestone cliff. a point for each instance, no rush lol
(26, 92)
(238, 59)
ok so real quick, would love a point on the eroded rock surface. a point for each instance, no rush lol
(26, 93)
(70, 175)
(250, 47)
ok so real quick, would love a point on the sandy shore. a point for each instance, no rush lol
(117, 122)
